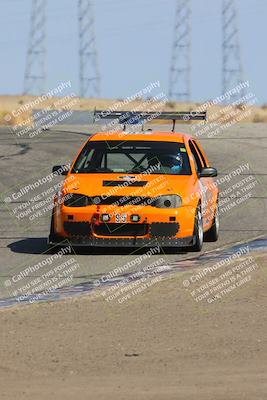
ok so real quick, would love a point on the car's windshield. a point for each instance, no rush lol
(133, 157)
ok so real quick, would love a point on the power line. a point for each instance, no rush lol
(180, 73)
(89, 74)
(232, 70)
(35, 72)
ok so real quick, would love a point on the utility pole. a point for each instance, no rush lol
(89, 74)
(35, 72)
(232, 71)
(180, 72)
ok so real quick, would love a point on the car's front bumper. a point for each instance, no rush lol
(122, 242)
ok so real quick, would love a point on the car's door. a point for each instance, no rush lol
(212, 191)
(205, 184)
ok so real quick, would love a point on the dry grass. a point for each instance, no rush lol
(260, 117)
(9, 106)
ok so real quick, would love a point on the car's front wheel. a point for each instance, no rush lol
(52, 235)
(53, 238)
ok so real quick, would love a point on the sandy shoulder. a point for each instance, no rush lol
(159, 345)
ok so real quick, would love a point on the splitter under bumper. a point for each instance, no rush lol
(122, 242)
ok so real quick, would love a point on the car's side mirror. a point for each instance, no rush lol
(60, 169)
(208, 172)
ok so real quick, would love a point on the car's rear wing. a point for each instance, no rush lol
(135, 117)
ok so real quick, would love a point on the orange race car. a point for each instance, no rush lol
(137, 189)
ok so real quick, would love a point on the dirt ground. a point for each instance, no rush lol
(159, 345)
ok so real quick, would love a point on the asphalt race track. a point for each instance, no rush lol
(239, 154)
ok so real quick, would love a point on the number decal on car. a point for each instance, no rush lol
(121, 218)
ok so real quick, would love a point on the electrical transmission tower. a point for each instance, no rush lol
(35, 72)
(232, 71)
(180, 73)
(89, 74)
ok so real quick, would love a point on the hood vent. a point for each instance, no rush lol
(125, 183)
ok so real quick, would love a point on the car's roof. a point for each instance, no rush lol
(145, 136)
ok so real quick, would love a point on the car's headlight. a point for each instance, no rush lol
(168, 201)
(76, 200)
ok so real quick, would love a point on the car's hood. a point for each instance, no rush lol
(128, 185)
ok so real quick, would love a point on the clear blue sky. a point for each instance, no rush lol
(134, 39)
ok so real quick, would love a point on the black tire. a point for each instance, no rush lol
(198, 236)
(58, 242)
(212, 234)
(53, 237)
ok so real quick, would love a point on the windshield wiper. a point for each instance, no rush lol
(91, 169)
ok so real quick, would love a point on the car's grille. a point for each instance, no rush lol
(124, 200)
(164, 229)
(79, 200)
(121, 229)
(77, 228)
